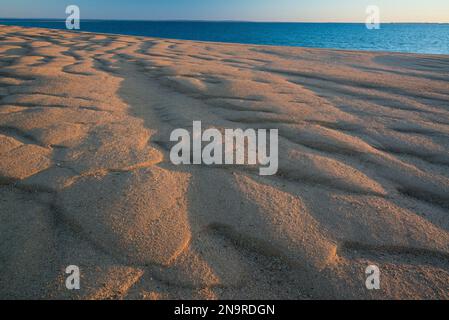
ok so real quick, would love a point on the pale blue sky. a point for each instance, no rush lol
(253, 10)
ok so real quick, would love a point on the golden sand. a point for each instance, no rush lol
(85, 175)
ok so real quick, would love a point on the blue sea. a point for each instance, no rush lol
(407, 37)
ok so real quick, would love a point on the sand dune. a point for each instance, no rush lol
(85, 175)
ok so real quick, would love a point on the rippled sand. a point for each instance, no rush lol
(85, 175)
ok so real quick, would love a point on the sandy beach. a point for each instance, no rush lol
(86, 179)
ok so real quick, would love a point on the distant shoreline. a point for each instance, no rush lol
(225, 21)
(419, 38)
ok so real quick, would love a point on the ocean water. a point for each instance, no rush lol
(407, 37)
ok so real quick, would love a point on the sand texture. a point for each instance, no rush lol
(86, 178)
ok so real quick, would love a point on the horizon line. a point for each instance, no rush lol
(229, 21)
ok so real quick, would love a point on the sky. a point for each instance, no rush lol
(248, 10)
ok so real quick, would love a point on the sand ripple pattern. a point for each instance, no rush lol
(85, 176)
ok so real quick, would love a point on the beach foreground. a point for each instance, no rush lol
(86, 179)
